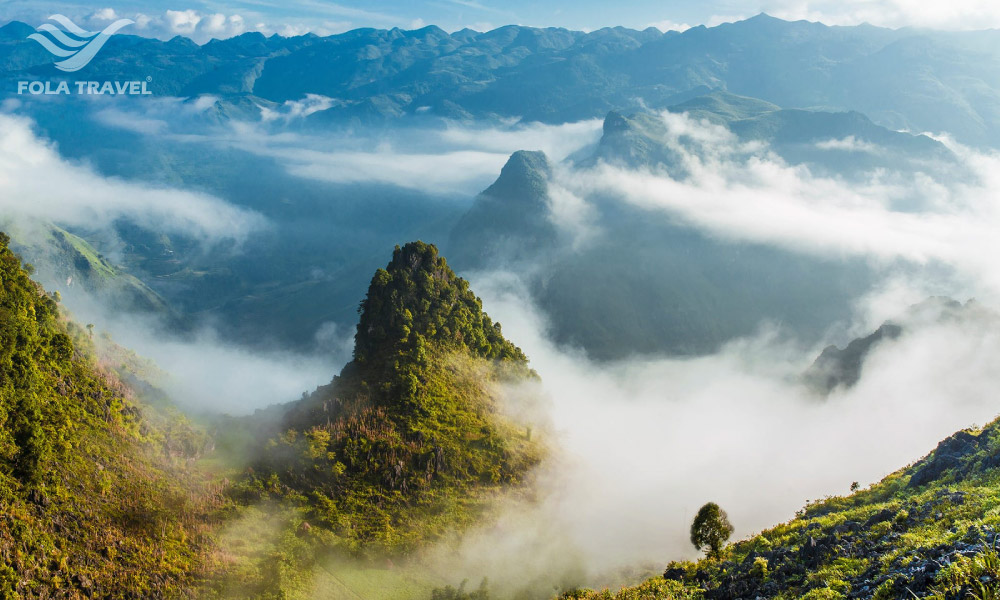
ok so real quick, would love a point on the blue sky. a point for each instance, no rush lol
(204, 19)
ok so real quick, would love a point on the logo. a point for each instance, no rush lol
(75, 45)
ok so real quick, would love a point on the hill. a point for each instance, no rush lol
(929, 530)
(410, 442)
(95, 499)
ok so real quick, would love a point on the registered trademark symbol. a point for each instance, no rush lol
(149, 77)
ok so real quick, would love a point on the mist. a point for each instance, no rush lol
(642, 444)
(36, 182)
(432, 155)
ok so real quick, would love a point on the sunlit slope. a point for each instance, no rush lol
(95, 499)
(926, 531)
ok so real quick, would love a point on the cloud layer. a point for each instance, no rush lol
(955, 15)
(36, 182)
(643, 444)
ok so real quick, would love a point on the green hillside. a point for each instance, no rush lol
(70, 264)
(95, 499)
(926, 531)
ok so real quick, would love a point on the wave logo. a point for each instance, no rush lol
(70, 42)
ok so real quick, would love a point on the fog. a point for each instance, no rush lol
(638, 445)
(642, 444)
(205, 372)
(428, 154)
(36, 182)
(744, 192)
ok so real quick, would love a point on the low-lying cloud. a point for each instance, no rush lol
(744, 192)
(643, 444)
(440, 157)
(36, 182)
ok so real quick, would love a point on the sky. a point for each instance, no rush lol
(202, 20)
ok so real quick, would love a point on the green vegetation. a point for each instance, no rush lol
(107, 493)
(93, 499)
(711, 529)
(407, 444)
(927, 531)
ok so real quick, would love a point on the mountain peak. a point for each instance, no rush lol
(615, 122)
(525, 176)
(418, 299)
(16, 30)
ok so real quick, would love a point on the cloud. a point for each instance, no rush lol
(453, 159)
(36, 182)
(296, 109)
(202, 26)
(642, 444)
(848, 144)
(105, 14)
(955, 15)
(441, 157)
(668, 25)
(741, 191)
(206, 374)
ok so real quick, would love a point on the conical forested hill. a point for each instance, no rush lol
(409, 442)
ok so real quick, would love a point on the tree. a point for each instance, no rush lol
(710, 529)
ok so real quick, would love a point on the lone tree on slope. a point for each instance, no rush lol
(710, 529)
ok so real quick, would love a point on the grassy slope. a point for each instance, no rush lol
(60, 255)
(94, 500)
(929, 530)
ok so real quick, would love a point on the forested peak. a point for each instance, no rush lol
(417, 299)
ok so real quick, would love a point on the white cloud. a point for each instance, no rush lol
(955, 14)
(182, 22)
(456, 159)
(643, 443)
(668, 25)
(105, 14)
(36, 182)
(296, 109)
(742, 192)
(848, 144)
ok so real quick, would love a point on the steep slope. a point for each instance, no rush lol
(67, 263)
(644, 283)
(927, 531)
(509, 221)
(409, 442)
(94, 499)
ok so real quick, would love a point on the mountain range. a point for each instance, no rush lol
(908, 79)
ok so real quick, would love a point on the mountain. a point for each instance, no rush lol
(836, 367)
(925, 531)
(96, 500)
(68, 264)
(841, 144)
(843, 367)
(909, 79)
(509, 220)
(409, 442)
(644, 283)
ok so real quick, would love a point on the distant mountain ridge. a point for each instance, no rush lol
(904, 79)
